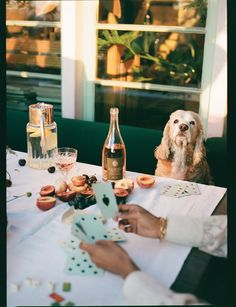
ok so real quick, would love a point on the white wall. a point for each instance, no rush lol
(78, 61)
(218, 94)
(68, 58)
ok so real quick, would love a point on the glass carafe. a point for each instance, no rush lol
(41, 136)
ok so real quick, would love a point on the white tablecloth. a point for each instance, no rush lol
(33, 248)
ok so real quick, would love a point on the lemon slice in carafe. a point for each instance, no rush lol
(36, 132)
(51, 137)
(31, 129)
(51, 141)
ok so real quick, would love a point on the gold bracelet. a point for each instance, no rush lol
(163, 227)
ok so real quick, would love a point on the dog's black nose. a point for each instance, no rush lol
(183, 127)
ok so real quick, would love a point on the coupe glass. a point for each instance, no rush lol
(65, 158)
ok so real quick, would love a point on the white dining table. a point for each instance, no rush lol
(33, 239)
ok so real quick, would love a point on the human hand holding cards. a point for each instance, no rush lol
(78, 261)
(89, 228)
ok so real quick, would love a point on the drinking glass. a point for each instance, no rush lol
(65, 158)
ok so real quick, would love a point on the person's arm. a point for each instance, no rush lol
(209, 234)
(139, 288)
(142, 289)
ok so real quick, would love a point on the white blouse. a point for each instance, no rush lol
(208, 234)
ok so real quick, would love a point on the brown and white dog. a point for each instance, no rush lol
(181, 154)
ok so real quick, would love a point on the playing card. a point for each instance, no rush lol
(106, 199)
(70, 245)
(171, 190)
(164, 189)
(89, 228)
(116, 234)
(192, 188)
(78, 262)
(182, 191)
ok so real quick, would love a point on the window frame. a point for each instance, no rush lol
(78, 61)
(84, 99)
(28, 74)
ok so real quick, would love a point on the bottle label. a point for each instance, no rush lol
(115, 168)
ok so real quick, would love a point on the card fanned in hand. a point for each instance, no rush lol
(89, 228)
(116, 234)
(78, 262)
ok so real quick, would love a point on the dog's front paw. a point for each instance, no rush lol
(162, 152)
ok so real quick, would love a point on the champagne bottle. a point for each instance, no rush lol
(114, 152)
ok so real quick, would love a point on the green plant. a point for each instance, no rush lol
(182, 65)
(111, 37)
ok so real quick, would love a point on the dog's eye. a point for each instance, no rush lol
(176, 121)
(192, 123)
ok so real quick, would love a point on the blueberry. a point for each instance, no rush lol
(77, 197)
(51, 169)
(82, 200)
(8, 183)
(91, 200)
(72, 202)
(82, 206)
(22, 162)
(121, 200)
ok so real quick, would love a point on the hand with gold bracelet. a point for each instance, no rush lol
(139, 287)
(109, 255)
(133, 218)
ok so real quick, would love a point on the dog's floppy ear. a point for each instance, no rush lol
(199, 150)
(163, 150)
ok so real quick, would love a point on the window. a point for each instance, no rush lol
(33, 53)
(135, 87)
(148, 57)
(153, 58)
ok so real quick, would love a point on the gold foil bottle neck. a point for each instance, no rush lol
(38, 109)
(114, 111)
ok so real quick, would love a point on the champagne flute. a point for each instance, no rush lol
(65, 158)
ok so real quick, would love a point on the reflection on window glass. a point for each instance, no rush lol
(32, 52)
(32, 10)
(188, 13)
(142, 108)
(164, 58)
(22, 92)
(34, 48)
